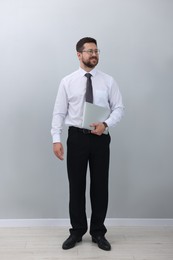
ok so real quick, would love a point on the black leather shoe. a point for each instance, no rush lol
(71, 242)
(102, 242)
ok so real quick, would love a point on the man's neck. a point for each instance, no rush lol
(87, 69)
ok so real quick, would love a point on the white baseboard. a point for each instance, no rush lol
(117, 222)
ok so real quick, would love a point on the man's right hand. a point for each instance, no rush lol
(58, 150)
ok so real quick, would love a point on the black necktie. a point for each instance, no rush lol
(89, 89)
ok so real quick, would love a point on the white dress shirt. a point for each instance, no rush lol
(70, 100)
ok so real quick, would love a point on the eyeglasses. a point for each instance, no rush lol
(90, 52)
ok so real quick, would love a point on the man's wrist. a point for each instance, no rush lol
(104, 123)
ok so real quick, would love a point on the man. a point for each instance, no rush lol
(85, 146)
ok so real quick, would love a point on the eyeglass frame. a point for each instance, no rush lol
(90, 51)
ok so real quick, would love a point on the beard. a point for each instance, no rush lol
(91, 63)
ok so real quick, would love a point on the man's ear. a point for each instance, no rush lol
(79, 55)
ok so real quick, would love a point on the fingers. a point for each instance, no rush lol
(99, 128)
(60, 156)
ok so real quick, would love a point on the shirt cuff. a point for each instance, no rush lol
(56, 139)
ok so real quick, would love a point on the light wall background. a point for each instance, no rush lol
(37, 49)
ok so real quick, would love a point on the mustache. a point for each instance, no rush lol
(93, 58)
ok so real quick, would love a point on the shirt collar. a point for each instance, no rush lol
(83, 72)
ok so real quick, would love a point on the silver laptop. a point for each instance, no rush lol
(94, 114)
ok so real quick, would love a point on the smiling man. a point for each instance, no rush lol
(85, 146)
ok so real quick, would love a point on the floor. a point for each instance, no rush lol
(128, 243)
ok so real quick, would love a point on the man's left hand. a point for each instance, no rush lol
(99, 128)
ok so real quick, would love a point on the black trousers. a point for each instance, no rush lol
(84, 149)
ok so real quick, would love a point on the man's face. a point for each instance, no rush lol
(90, 56)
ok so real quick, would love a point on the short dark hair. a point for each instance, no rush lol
(81, 42)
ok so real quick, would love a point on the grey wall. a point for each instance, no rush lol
(37, 48)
